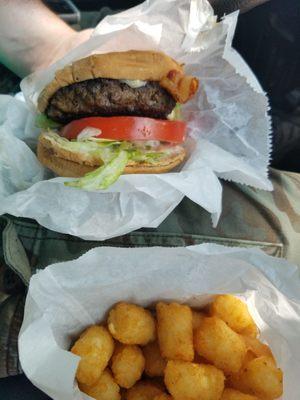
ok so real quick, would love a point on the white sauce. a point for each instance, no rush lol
(171, 116)
(87, 133)
(144, 144)
(134, 84)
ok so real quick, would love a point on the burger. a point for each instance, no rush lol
(114, 113)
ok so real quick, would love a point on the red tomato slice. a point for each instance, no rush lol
(128, 128)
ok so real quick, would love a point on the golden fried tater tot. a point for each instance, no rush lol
(262, 378)
(143, 390)
(155, 364)
(104, 389)
(257, 348)
(131, 324)
(127, 365)
(234, 380)
(175, 331)
(200, 360)
(231, 394)
(163, 396)
(189, 381)
(197, 318)
(219, 344)
(250, 330)
(233, 311)
(95, 347)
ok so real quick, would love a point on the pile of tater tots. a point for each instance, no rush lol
(174, 352)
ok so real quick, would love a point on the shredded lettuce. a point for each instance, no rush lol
(145, 156)
(114, 155)
(104, 176)
(43, 122)
(99, 140)
(103, 149)
(108, 173)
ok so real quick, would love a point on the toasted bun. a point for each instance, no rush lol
(141, 65)
(73, 165)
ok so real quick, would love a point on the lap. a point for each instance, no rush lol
(250, 217)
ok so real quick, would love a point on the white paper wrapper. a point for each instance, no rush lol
(227, 123)
(65, 298)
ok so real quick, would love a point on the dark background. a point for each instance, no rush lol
(268, 37)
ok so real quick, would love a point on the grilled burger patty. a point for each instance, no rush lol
(109, 97)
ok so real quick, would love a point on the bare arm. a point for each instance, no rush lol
(32, 36)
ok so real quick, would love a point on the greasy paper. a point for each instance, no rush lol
(67, 297)
(228, 128)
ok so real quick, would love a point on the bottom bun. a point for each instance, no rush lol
(51, 157)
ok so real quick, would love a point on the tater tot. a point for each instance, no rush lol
(234, 380)
(219, 344)
(104, 389)
(154, 363)
(175, 331)
(127, 365)
(189, 381)
(257, 348)
(250, 330)
(143, 390)
(233, 311)
(163, 396)
(95, 346)
(200, 360)
(231, 394)
(197, 318)
(131, 324)
(261, 377)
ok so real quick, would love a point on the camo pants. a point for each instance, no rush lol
(270, 220)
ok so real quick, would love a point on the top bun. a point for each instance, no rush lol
(131, 65)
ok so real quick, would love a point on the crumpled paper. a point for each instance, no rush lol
(67, 297)
(227, 123)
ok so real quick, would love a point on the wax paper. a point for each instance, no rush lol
(228, 128)
(67, 297)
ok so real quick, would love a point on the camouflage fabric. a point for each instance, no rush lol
(270, 220)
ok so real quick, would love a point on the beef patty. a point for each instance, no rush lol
(109, 97)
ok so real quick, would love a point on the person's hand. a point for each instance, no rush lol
(58, 50)
(33, 37)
